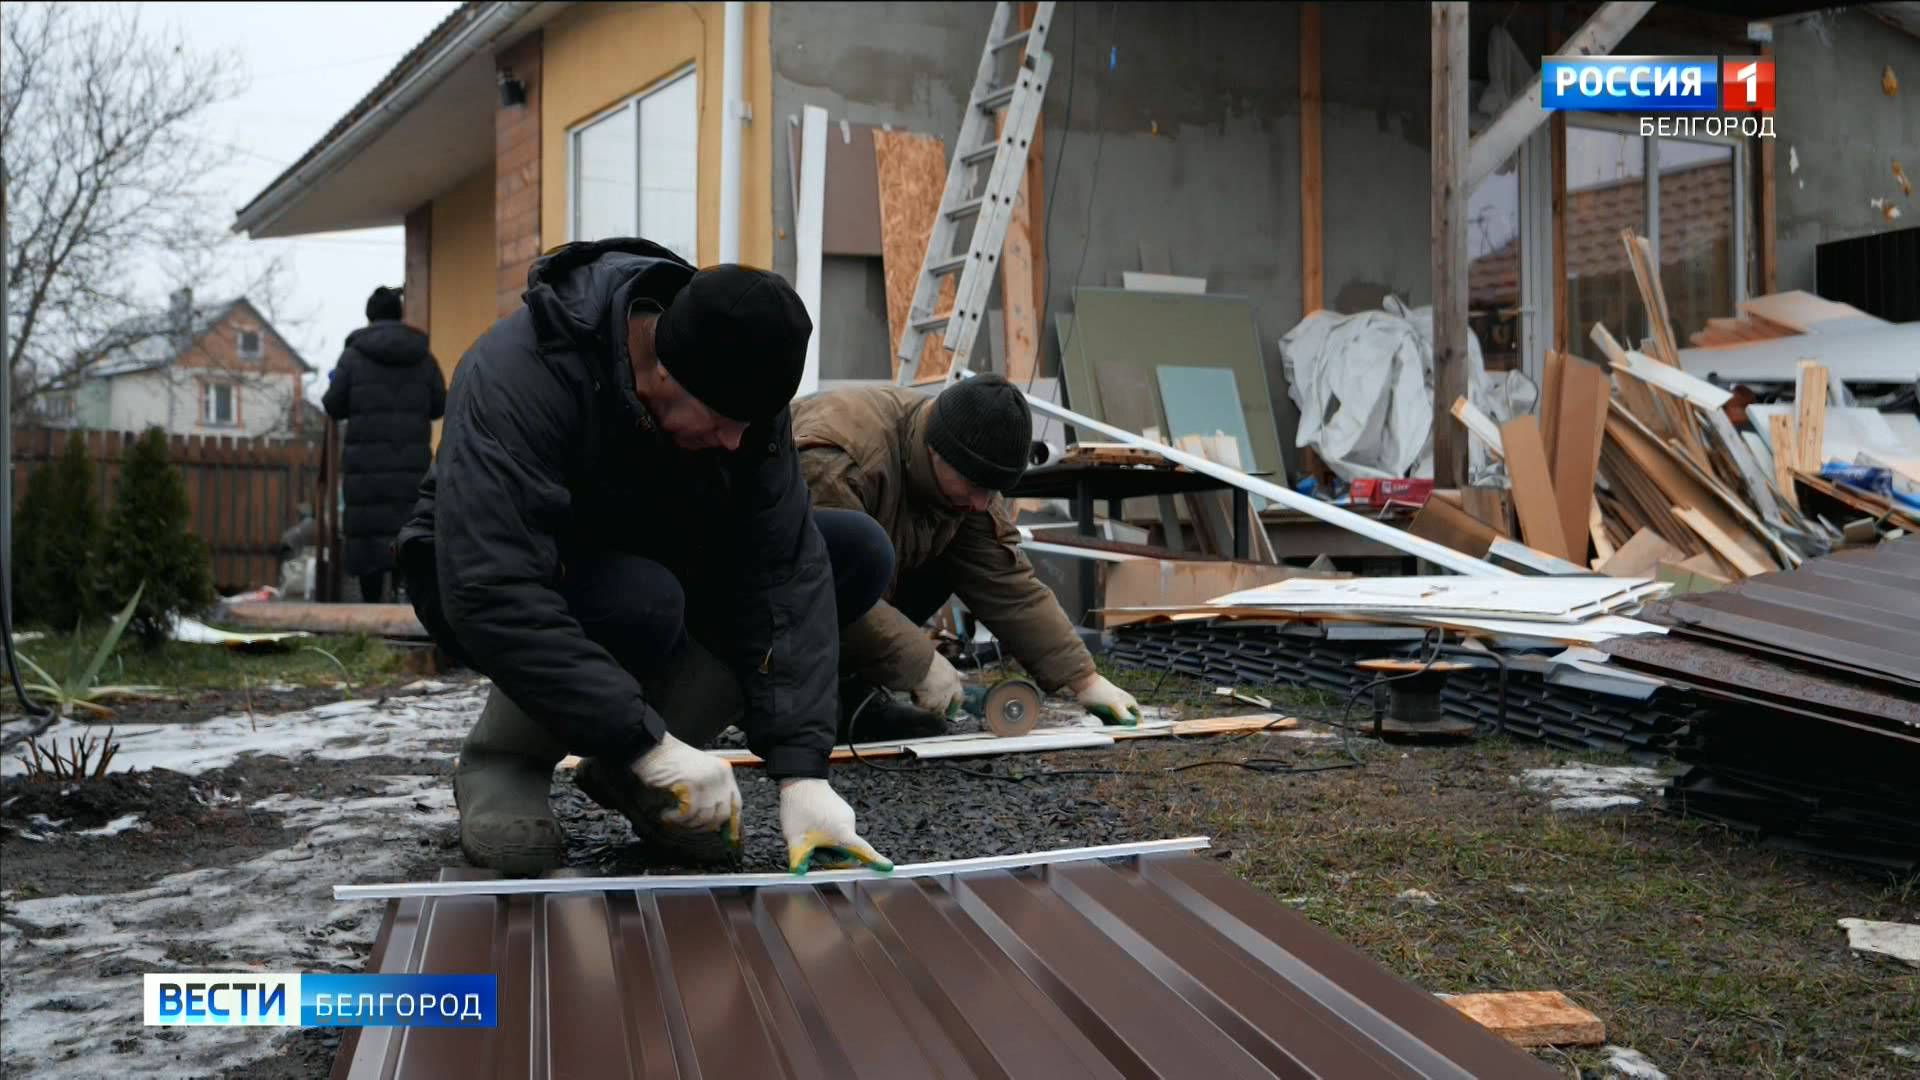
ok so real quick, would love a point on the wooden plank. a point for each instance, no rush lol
(1646, 276)
(1533, 497)
(1710, 497)
(1444, 523)
(1489, 506)
(1312, 280)
(912, 174)
(1638, 556)
(1532, 1018)
(1603, 548)
(1797, 310)
(1581, 426)
(1722, 544)
(1479, 423)
(1022, 320)
(1785, 457)
(1551, 374)
(1448, 155)
(1810, 417)
(1036, 185)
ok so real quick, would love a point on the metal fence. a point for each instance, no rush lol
(242, 494)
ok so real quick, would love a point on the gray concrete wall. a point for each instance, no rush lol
(1845, 133)
(1183, 134)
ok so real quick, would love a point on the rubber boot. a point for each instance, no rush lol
(501, 786)
(698, 697)
(882, 717)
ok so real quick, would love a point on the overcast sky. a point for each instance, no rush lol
(306, 64)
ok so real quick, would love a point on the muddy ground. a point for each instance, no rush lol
(1710, 956)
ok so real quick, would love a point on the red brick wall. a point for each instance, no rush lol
(516, 171)
(417, 307)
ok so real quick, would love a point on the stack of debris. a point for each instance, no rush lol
(1813, 740)
(1533, 675)
(1640, 463)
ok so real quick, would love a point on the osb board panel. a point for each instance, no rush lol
(912, 173)
(1533, 1018)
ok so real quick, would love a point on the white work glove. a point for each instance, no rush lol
(702, 783)
(818, 822)
(1107, 701)
(940, 691)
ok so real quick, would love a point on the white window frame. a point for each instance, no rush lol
(208, 395)
(632, 103)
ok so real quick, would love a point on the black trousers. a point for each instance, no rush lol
(636, 608)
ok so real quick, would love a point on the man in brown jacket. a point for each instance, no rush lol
(930, 471)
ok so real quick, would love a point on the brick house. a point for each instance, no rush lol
(199, 369)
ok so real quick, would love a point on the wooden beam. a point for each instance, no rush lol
(1448, 21)
(1312, 270)
(1810, 417)
(1036, 184)
(1767, 253)
(1533, 496)
(1785, 457)
(1479, 423)
(1523, 114)
(1020, 323)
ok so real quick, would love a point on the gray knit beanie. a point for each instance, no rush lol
(981, 427)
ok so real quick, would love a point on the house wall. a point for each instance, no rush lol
(461, 272)
(517, 173)
(268, 388)
(1845, 133)
(1190, 143)
(596, 55)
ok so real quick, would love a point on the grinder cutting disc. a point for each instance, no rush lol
(1012, 708)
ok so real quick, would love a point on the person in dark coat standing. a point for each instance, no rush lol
(389, 390)
(617, 533)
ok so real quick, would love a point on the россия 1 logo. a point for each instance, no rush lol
(1656, 84)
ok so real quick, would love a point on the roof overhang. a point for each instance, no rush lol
(424, 128)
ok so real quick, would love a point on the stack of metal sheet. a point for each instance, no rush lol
(1814, 742)
(1562, 704)
(1144, 960)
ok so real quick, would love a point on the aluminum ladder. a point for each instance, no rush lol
(989, 204)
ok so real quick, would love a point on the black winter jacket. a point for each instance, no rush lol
(547, 457)
(389, 390)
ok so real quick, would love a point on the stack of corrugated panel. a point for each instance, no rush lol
(1621, 715)
(1815, 743)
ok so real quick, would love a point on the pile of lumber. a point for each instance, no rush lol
(1776, 315)
(1633, 467)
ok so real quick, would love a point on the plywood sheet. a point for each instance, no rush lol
(1147, 330)
(1533, 497)
(1581, 423)
(1810, 416)
(1798, 311)
(1444, 523)
(1533, 1018)
(911, 174)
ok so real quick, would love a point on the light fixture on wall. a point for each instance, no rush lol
(513, 92)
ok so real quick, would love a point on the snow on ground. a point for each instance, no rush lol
(272, 913)
(1594, 787)
(402, 726)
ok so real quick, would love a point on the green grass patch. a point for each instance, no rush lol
(175, 665)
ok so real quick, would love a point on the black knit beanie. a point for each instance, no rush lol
(982, 428)
(736, 338)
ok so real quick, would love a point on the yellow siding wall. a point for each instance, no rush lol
(461, 270)
(597, 55)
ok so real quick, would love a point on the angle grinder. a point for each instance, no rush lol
(1008, 708)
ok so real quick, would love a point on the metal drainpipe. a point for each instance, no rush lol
(732, 118)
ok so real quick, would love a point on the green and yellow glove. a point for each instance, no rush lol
(1108, 702)
(819, 829)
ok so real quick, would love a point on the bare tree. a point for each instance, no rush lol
(109, 172)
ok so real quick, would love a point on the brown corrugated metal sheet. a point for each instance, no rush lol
(1157, 965)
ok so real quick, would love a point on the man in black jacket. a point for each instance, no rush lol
(616, 531)
(389, 389)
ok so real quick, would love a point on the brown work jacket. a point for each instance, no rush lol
(866, 449)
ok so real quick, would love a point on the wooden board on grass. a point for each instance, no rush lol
(1532, 1018)
(1533, 496)
(912, 175)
